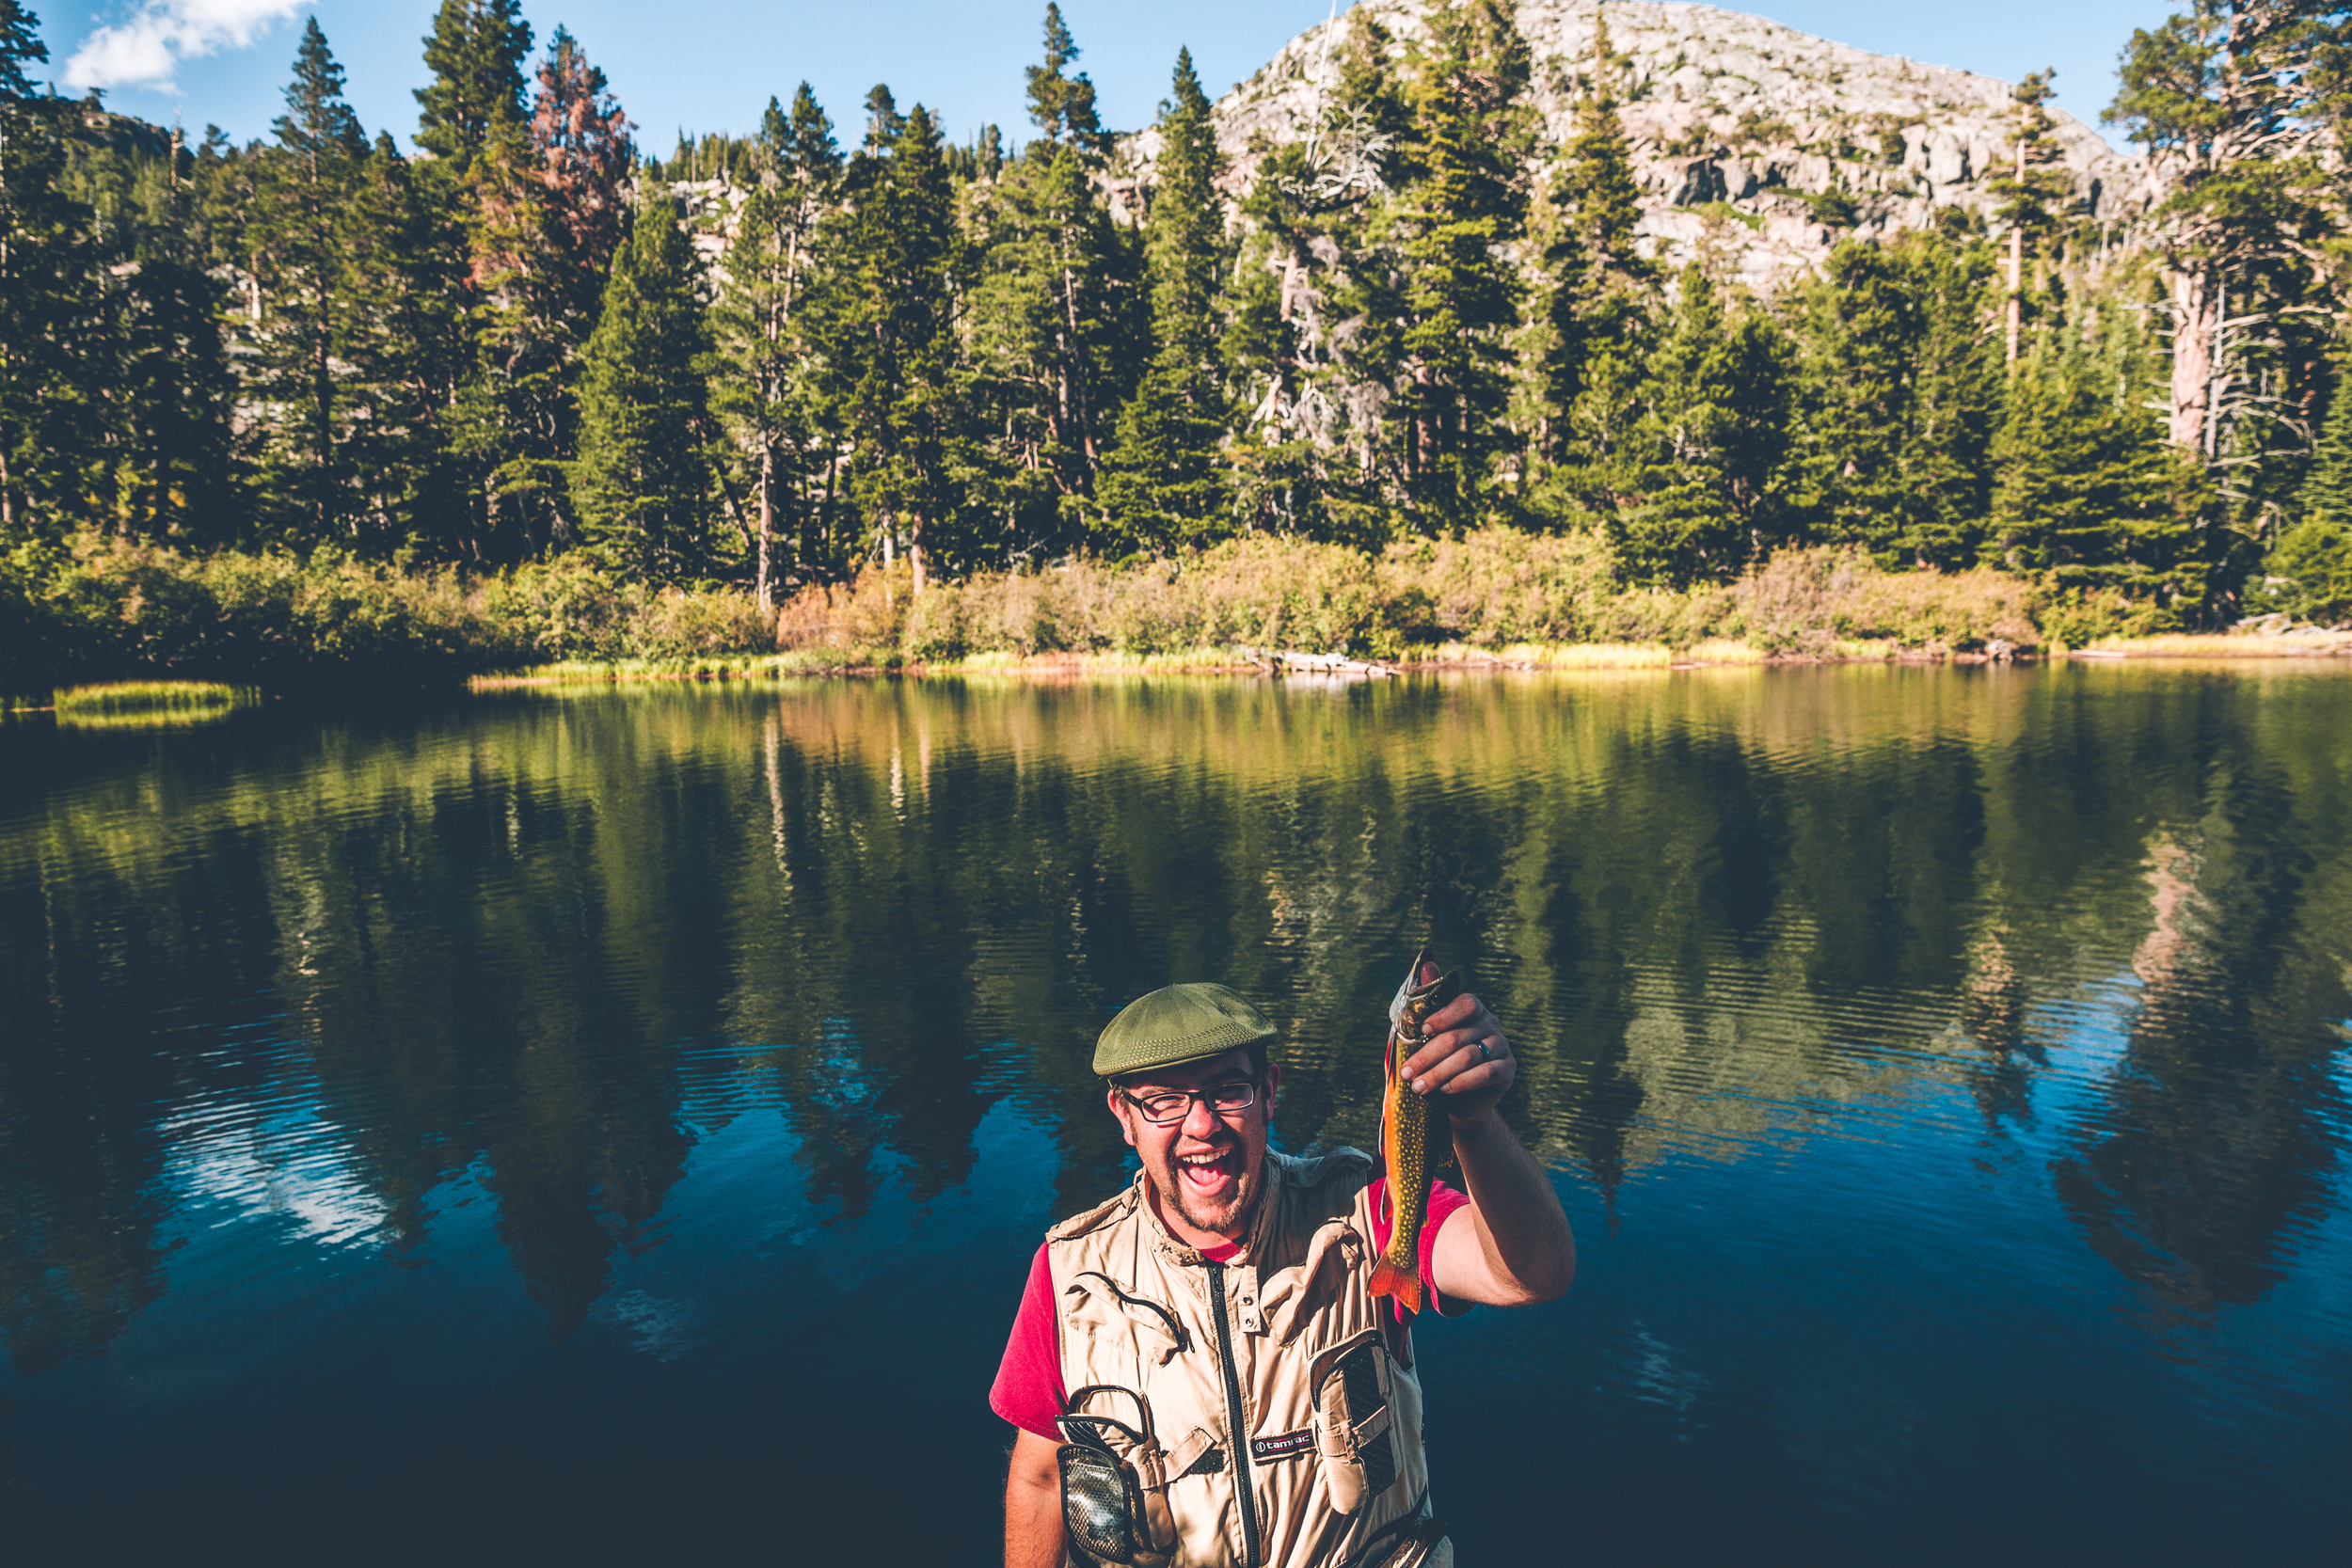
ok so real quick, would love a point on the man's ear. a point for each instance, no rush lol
(1273, 1080)
(1118, 1114)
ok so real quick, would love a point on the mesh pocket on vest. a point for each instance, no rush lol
(1096, 1504)
(1360, 1373)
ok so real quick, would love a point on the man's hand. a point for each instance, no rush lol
(1465, 1058)
(1033, 1526)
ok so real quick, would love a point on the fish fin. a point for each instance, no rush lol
(1402, 1285)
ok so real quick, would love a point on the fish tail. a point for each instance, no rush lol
(1402, 1284)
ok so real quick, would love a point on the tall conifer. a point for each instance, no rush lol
(1058, 312)
(547, 212)
(1314, 312)
(895, 337)
(1461, 295)
(300, 236)
(170, 388)
(2086, 492)
(1898, 389)
(48, 294)
(2313, 557)
(641, 482)
(406, 352)
(1699, 458)
(2029, 186)
(1162, 485)
(20, 42)
(476, 52)
(1062, 101)
(762, 386)
(1593, 340)
(582, 153)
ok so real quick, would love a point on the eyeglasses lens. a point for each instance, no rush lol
(1163, 1109)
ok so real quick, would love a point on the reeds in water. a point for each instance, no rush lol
(128, 704)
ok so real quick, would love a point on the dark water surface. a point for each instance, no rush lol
(616, 1124)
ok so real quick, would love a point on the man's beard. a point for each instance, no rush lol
(1172, 1192)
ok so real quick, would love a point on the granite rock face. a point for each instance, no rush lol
(1733, 121)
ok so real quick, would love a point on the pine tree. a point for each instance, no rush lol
(406, 348)
(2028, 187)
(892, 340)
(50, 309)
(2313, 559)
(1599, 292)
(299, 236)
(1898, 391)
(513, 422)
(1057, 312)
(2235, 103)
(546, 207)
(1596, 189)
(19, 42)
(762, 389)
(1699, 460)
(640, 482)
(476, 52)
(1162, 485)
(1061, 104)
(1461, 293)
(582, 156)
(2087, 490)
(170, 389)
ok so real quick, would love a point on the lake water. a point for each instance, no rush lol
(615, 1123)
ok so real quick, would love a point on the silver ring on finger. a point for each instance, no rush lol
(1485, 1053)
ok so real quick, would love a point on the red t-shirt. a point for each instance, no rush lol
(1029, 1391)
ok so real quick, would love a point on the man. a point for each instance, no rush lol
(1215, 1320)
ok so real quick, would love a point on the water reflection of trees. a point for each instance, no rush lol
(2215, 1137)
(554, 942)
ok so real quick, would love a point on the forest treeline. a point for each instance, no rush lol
(766, 363)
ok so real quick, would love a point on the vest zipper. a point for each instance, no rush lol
(1236, 1424)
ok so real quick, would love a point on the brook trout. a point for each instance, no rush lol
(1409, 1128)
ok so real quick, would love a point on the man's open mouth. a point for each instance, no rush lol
(1207, 1172)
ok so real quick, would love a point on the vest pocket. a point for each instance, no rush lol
(1354, 1419)
(1114, 1481)
(1100, 1505)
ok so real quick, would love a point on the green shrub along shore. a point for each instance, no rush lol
(96, 608)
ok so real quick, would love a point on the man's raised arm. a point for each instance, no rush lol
(1512, 1245)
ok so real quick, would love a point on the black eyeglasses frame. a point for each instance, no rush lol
(1253, 1084)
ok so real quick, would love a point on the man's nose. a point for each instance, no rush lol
(1200, 1121)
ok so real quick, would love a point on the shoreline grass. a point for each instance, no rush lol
(1714, 653)
(2309, 644)
(1452, 656)
(110, 704)
(326, 624)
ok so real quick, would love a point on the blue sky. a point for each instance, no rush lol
(713, 64)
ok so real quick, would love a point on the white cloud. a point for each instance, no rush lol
(144, 51)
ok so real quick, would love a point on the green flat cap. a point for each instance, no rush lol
(1178, 1024)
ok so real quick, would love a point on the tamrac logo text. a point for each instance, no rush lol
(1265, 1448)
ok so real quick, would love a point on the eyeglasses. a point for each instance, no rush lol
(1166, 1107)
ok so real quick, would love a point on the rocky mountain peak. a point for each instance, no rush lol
(1735, 121)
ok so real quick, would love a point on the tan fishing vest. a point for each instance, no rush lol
(1282, 1432)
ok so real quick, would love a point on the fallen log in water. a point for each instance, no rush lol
(1320, 664)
